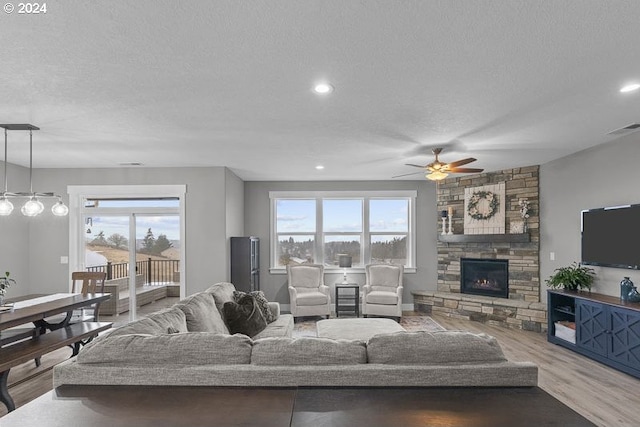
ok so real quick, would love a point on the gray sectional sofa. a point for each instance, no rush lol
(200, 351)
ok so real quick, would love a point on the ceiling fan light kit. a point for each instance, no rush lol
(33, 206)
(437, 170)
(436, 175)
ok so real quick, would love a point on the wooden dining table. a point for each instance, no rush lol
(42, 335)
(35, 308)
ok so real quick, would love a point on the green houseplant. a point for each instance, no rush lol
(574, 277)
(5, 283)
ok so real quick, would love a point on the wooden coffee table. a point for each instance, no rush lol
(140, 406)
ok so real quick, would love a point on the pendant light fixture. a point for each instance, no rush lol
(33, 206)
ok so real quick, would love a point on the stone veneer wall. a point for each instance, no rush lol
(524, 258)
(523, 309)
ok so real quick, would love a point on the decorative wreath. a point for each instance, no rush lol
(472, 207)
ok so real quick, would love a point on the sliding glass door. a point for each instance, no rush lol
(138, 243)
(151, 260)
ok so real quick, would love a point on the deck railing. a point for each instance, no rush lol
(154, 271)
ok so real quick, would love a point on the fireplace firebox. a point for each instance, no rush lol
(487, 277)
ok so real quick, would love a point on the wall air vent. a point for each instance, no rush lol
(625, 130)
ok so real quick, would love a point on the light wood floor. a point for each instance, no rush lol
(603, 395)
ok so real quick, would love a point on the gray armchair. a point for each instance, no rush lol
(382, 292)
(308, 294)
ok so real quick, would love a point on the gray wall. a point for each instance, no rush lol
(206, 231)
(14, 232)
(257, 216)
(606, 175)
(234, 211)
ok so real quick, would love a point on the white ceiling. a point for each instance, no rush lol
(228, 83)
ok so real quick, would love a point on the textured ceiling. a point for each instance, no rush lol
(228, 83)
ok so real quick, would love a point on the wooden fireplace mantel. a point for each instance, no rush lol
(484, 238)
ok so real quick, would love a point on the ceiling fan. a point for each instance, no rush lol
(437, 170)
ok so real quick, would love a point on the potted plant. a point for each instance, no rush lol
(574, 277)
(5, 283)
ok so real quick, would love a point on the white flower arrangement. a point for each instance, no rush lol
(524, 208)
(5, 283)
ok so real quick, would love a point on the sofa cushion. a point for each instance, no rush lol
(141, 326)
(385, 275)
(434, 348)
(192, 348)
(307, 351)
(222, 292)
(306, 276)
(156, 323)
(281, 327)
(382, 297)
(202, 314)
(309, 297)
(262, 302)
(244, 316)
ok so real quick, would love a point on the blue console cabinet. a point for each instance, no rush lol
(607, 329)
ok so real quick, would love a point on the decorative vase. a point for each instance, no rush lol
(634, 295)
(626, 286)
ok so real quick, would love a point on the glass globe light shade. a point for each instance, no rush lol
(59, 209)
(6, 207)
(436, 175)
(33, 207)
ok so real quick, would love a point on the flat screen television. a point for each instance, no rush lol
(611, 237)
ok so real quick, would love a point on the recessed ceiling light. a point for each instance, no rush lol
(630, 88)
(323, 88)
(319, 167)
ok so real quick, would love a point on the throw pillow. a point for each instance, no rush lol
(244, 316)
(263, 304)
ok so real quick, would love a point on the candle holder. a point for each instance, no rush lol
(443, 214)
(450, 225)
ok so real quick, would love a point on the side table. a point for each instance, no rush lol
(347, 298)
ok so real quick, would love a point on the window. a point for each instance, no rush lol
(317, 227)
(389, 230)
(296, 230)
(342, 230)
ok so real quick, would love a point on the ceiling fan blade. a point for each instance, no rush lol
(415, 166)
(465, 170)
(461, 162)
(406, 174)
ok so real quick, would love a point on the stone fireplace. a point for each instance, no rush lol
(487, 277)
(512, 301)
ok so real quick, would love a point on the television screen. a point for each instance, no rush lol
(611, 237)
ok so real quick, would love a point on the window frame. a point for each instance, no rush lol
(366, 197)
(79, 193)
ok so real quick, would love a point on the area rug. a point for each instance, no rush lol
(307, 326)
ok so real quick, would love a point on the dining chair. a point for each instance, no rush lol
(88, 282)
(83, 282)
